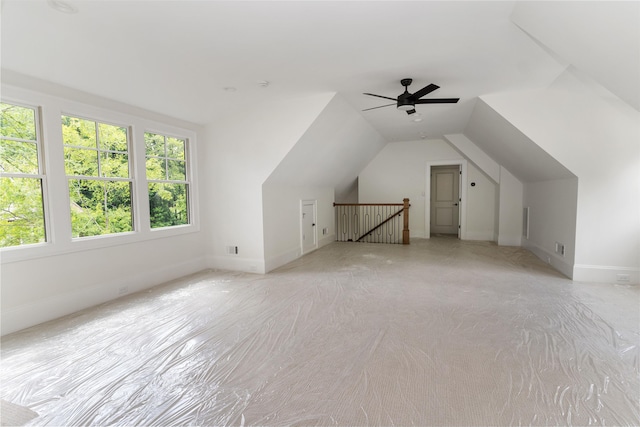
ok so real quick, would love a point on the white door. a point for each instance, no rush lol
(308, 226)
(445, 201)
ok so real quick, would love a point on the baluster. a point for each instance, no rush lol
(374, 223)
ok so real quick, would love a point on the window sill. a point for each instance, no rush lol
(42, 250)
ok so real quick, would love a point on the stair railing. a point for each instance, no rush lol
(373, 222)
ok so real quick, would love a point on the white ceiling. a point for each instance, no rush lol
(511, 148)
(175, 57)
(599, 38)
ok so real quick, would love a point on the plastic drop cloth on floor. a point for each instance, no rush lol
(440, 332)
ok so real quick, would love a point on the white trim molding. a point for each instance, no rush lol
(463, 195)
(606, 274)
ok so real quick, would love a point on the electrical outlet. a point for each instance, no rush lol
(123, 290)
(622, 277)
(232, 250)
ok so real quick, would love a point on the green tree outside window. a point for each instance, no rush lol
(100, 188)
(21, 179)
(166, 163)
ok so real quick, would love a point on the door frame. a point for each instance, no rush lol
(315, 228)
(462, 194)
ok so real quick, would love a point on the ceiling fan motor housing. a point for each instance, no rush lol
(404, 100)
(405, 104)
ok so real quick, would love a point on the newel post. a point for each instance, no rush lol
(405, 230)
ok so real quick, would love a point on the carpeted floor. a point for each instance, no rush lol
(440, 332)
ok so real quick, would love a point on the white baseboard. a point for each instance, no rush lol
(292, 254)
(509, 240)
(286, 257)
(236, 263)
(479, 235)
(556, 261)
(326, 240)
(606, 274)
(43, 310)
(586, 273)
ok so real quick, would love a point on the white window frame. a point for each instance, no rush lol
(130, 179)
(55, 191)
(41, 175)
(188, 176)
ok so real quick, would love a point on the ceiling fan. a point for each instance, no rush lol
(407, 101)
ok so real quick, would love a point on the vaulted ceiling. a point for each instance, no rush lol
(177, 57)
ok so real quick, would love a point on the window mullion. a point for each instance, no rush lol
(8, 138)
(22, 175)
(138, 172)
(99, 153)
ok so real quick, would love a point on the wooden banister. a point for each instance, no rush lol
(405, 230)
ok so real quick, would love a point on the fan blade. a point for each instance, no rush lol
(380, 96)
(424, 91)
(438, 101)
(388, 105)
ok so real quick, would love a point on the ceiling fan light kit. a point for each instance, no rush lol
(407, 101)
(405, 107)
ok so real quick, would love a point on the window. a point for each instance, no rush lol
(73, 177)
(21, 177)
(167, 177)
(97, 166)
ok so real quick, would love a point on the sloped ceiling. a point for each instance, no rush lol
(338, 145)
(511, 148)
(599, 38)
(176, 57)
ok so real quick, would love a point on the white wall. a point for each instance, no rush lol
(487, 174)
(399, 171)
(51, 280)
(472, 152)
(481, 206)
(595, 136)
(324, 161)
(510, 213)
(242, 150)
(282, 234)
(552, 218)
(42, 289)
